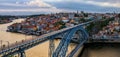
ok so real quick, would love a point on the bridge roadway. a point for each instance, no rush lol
(24, 45)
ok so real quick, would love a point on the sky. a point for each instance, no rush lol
(30, 7)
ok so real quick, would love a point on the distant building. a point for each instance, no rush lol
(71, 15)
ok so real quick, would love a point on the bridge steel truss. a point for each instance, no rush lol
(63, 45)
(62, 48)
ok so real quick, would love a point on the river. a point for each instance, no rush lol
(102, 50)
(41, 50)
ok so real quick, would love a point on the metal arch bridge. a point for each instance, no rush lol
(67, 36)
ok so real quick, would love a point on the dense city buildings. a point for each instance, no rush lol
(43, 24)
(111, 30)
(46, 23)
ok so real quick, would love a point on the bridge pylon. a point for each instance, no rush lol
(51, 47)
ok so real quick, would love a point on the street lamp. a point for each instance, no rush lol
(3, 46)
(25, 37)
(16, 42)
(33, 37)
(1, 43)
(8, 43)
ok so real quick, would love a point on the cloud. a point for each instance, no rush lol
(104, 3)
(46, 6)
(110, 1)
(30, 3)
(39, 3)
(30, 10)
(32, 6)
(11, 4)
(84, 7)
